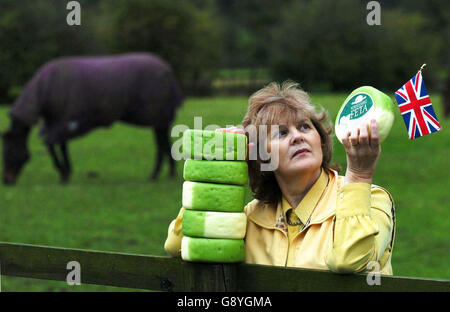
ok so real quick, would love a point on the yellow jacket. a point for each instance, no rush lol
(348, 227)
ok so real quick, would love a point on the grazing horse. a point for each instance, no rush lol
(74, 95)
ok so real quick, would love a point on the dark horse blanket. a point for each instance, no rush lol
(76, 94)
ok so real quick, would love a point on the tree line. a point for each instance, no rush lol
(326, 45)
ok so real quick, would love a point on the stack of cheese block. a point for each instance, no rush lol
(215, 171)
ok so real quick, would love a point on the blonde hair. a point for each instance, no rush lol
(285, 103)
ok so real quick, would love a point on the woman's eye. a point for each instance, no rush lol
(281, 133)
(305, 127)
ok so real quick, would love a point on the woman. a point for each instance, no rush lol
(304, 214)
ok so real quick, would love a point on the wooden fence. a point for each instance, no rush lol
(172, 274)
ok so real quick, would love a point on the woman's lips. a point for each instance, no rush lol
(300, 152)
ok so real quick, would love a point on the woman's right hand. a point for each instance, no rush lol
(236, 130)
(232, 129)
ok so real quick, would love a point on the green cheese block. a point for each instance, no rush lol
(212, 145)
(212, 250)
(219, 171)
(213, 197)
(212, 224)
(362, 105)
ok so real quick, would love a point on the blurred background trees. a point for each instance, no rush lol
(326, 45)
(329, 46)
(185, 35)
(31, 33)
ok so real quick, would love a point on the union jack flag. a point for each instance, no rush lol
(416, 108)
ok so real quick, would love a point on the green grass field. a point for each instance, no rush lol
(119, 211)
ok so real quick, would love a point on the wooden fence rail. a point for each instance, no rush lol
(172, 274)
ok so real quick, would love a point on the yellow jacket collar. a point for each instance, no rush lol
(325, 188)
(309, 202)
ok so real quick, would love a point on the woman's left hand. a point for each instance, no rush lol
(363, 149)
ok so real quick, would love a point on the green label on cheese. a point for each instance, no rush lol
(357, 106)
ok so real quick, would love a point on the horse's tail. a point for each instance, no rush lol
(177, 96)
